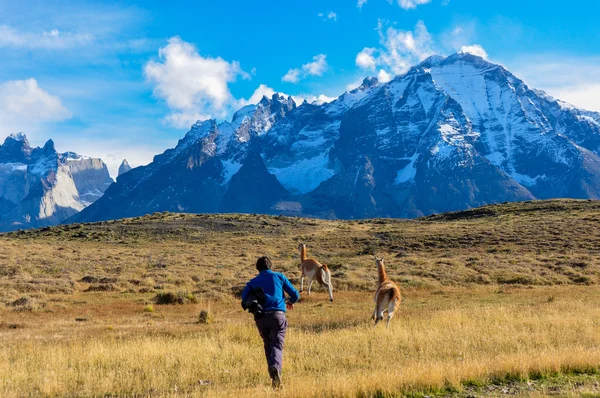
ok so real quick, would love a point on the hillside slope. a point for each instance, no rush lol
(531, 243)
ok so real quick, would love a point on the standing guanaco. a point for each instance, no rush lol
(387, 296)
(312, 269)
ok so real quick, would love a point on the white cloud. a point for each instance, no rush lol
(193, 86)
(354, 84)
(406, 4)
(584, 96)
(197, 88)
(262, 91)
(292, 76)
(474, 49)
(331, 15)
(52, 39)
(410, 4)
(184, 119)
(315, 68)
(399, 50)
(53, 33)
(575, 80)
(458, 36)
(383, 76)
(25, 106)
(366, 60)
(405, 48)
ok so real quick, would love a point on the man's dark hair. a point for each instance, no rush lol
(263, 263)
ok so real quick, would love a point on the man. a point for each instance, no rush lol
(270, 319)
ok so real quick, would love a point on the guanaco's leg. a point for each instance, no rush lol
(391, 306)
(329, 285)
(379, 313)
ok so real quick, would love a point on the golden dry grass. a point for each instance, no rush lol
(440, 342)
(498, 294)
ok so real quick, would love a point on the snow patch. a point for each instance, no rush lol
(14, 166)
(43, 165)
(409, 171)
(305, 175)
(495, 158)
(524, 179)
(230, 168)
(442, 150)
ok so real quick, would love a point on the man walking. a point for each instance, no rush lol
(268, 288)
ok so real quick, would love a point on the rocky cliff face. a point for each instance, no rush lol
(40, 187)
(450, 134)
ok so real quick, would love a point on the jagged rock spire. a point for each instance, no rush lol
(124, 167)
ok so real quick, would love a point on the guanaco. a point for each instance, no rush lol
(387, 296)
(312, 269)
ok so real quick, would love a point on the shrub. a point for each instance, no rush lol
(27, 304)
(204, 317)
(168, 298)
(149, 308)
(191, 298)
(175, 298)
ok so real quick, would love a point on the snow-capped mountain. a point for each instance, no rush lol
(452, 133)
(40, 187)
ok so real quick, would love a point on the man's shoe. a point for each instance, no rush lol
(275, 377)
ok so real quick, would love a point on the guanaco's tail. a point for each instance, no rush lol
(323, 276)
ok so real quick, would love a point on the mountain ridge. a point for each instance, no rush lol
(41, 187)
(452, 133)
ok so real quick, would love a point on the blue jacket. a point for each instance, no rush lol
(273, 284)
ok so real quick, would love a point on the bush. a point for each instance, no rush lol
(191, 298)
(149, 308)
(204, 317)
(175, 298)
(169, 298)
(27, 304)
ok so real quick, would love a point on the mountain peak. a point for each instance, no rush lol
(17, 137)
(49, 147)
(124, 167)
(439, 60)
(433, 60)
(15, 149)
(277, 98)
(369, 82)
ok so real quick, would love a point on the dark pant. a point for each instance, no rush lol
(272, 327)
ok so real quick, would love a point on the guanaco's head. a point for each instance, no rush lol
(379, 261)
(301, 246)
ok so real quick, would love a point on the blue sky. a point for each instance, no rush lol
(126, 79)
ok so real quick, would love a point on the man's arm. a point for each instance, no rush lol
(245, 294)
(290, 290)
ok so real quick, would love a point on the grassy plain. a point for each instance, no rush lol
(498, 300)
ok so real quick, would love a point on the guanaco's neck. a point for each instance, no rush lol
(381, 271)
(303, 253)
